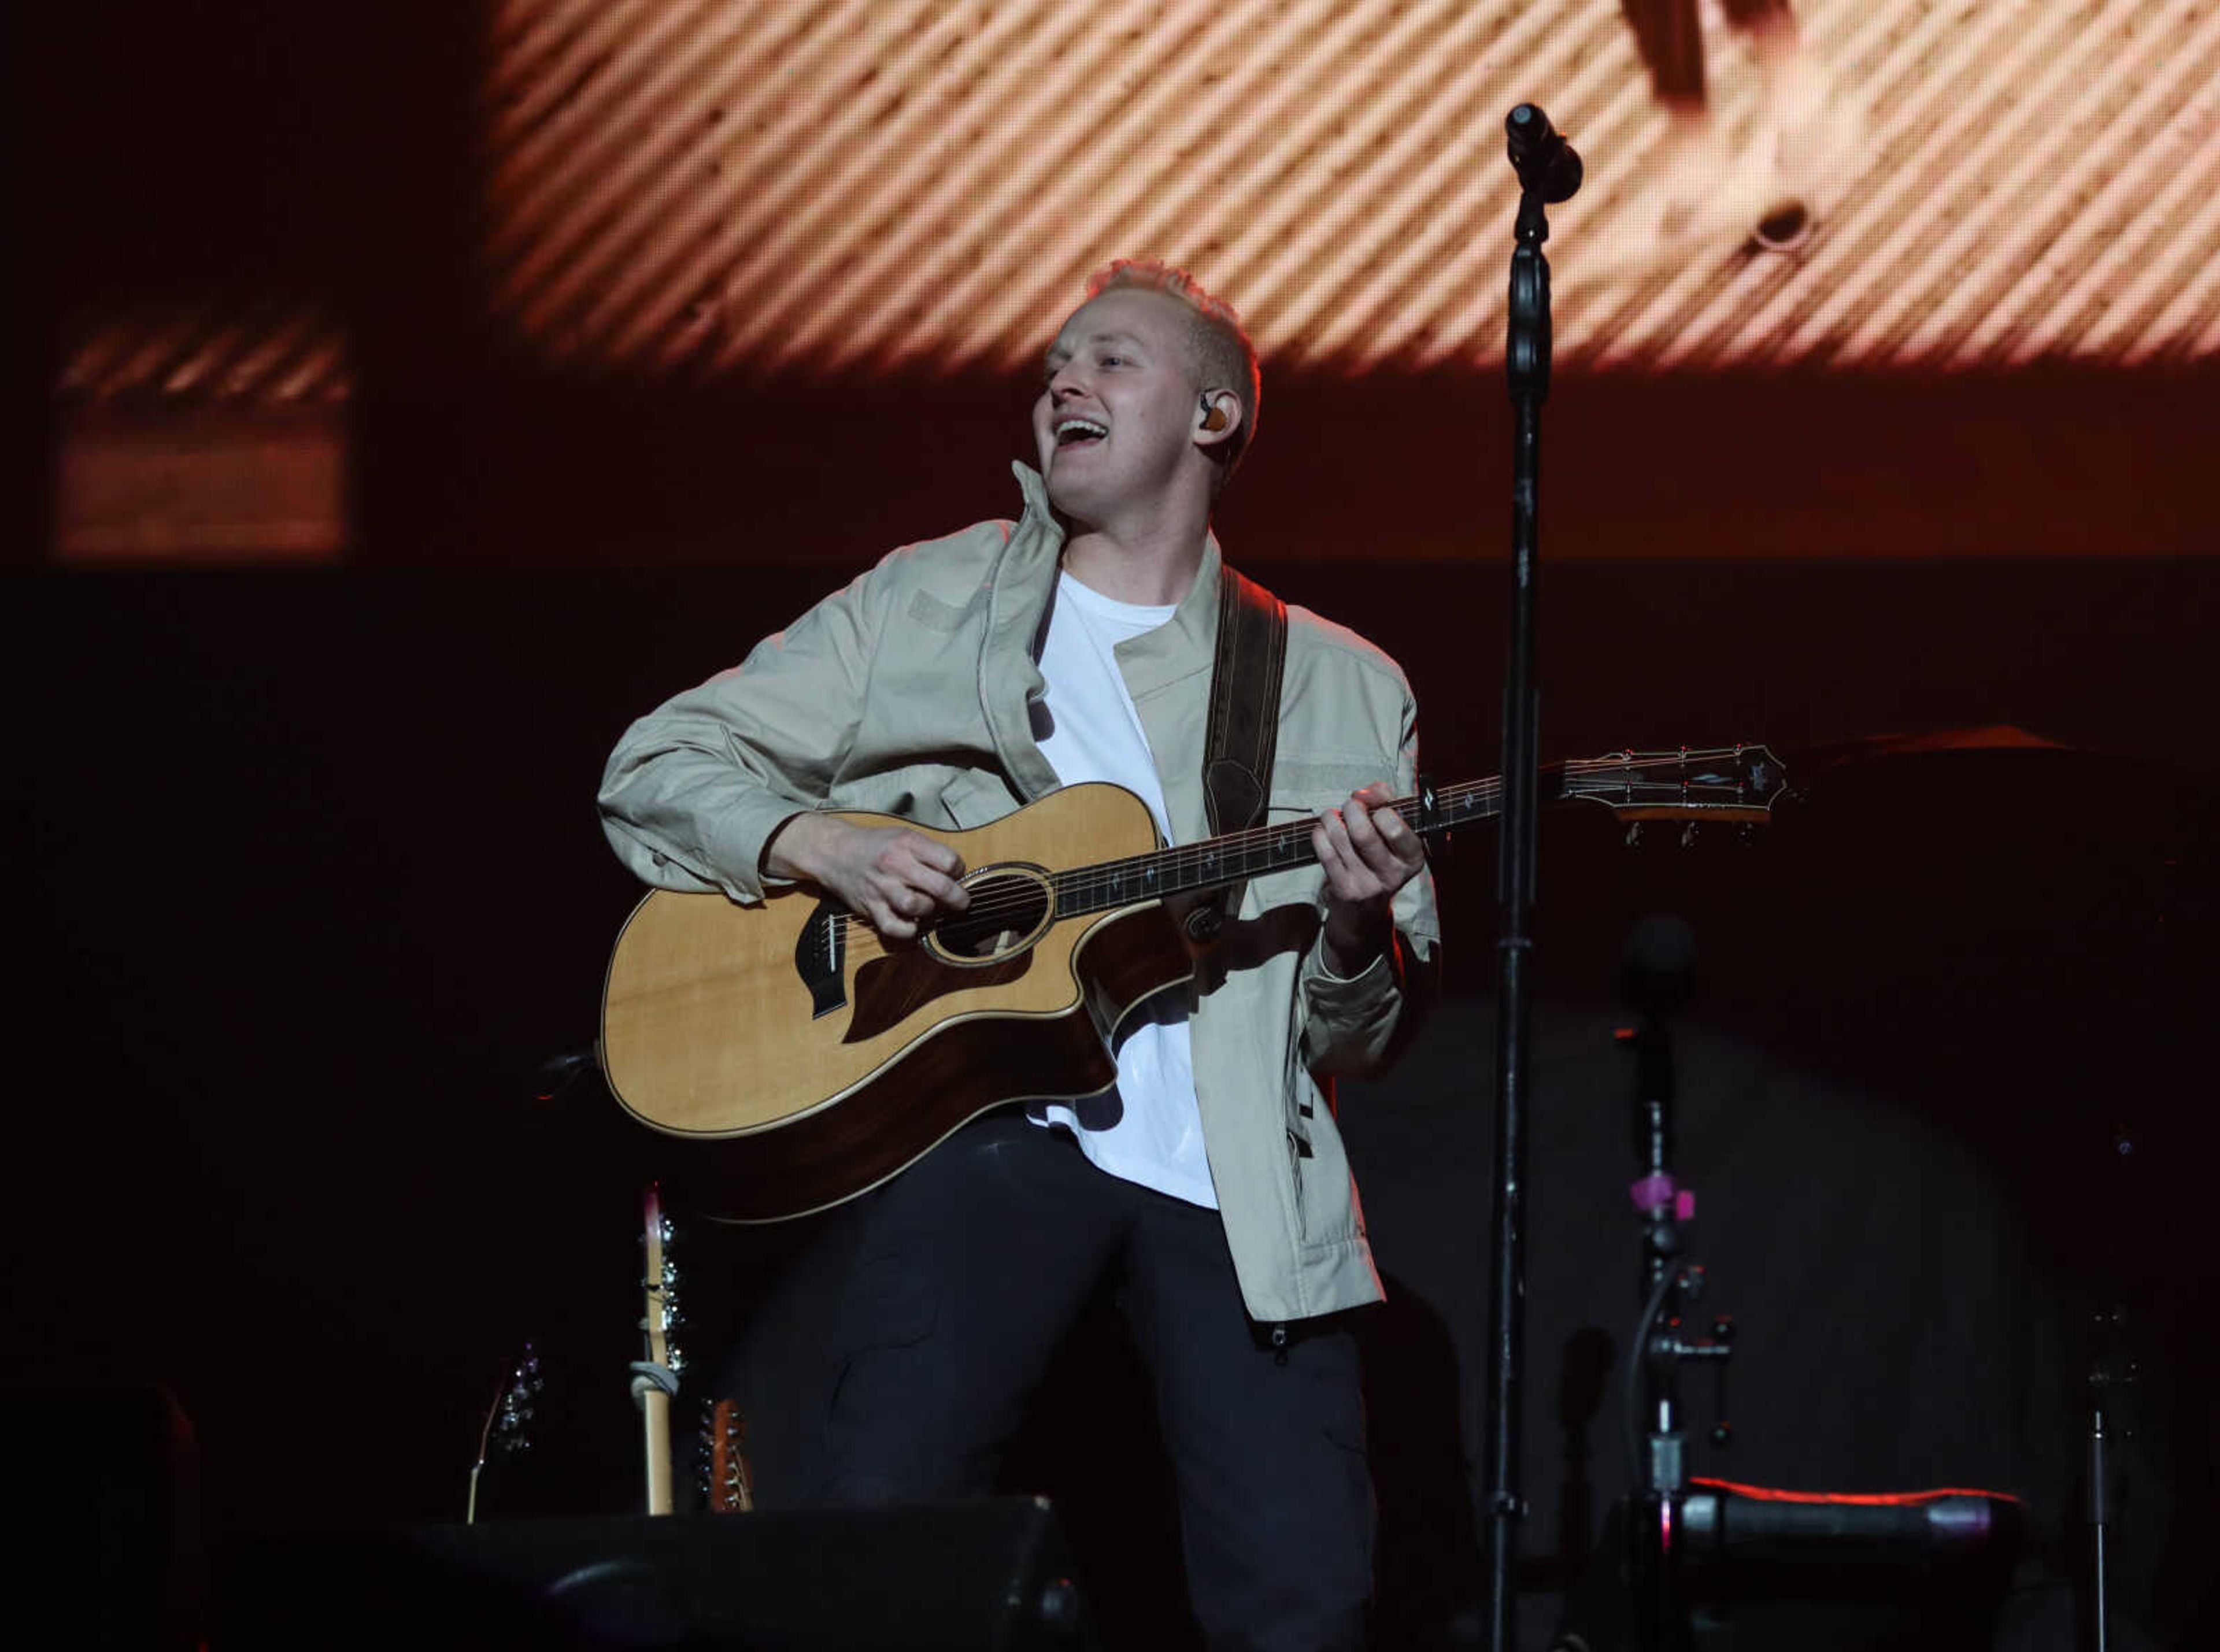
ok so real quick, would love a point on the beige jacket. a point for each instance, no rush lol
(908, 693)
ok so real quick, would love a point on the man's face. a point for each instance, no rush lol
(1115, 419)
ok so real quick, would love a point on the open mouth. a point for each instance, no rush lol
(1079, 433)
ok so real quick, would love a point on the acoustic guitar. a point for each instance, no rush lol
(809, 1060)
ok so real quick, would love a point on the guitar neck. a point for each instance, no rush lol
(1722, 783)
(1213, 863)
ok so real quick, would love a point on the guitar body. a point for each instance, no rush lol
(809, 1062)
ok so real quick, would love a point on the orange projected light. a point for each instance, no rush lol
(226, 355)
(836, 186)
(206, 437)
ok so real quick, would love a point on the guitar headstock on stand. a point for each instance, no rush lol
(722, 1477)
(726, 1484)
(655, 1379)
(507, 1433)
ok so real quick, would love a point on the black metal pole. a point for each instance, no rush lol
(1656, 978)
(1549, 171)
(2111, 1378)
(1661, 1474)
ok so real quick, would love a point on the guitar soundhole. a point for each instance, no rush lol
(1010, 907)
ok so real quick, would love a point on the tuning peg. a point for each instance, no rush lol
(1689, 835)
(1634, 834)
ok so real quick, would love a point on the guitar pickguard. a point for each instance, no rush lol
(891, 988)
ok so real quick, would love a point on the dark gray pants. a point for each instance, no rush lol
(973, 1263)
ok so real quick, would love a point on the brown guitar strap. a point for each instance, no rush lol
(1244, 716)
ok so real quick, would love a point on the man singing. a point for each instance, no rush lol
(956, 681)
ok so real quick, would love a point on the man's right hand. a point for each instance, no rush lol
(892, 877)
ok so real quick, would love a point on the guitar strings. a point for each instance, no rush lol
(1069, 893)
(1181, 859)
(1089, 883)
(1177, 859)
(1193, 857)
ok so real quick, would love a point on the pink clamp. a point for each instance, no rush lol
(1652, 1192)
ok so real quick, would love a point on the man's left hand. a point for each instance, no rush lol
(1369, 853)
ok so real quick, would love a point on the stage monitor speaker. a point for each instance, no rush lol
(992, 1574)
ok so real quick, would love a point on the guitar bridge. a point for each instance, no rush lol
(819, 952)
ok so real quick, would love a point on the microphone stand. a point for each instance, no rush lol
(2112, 1376)
(1549, 171)
(1659, 975)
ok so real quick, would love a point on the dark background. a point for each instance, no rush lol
(314, 880)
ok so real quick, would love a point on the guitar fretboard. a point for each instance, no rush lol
(1689, 783)
(1216, 862)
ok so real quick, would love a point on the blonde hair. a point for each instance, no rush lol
(1219, 348)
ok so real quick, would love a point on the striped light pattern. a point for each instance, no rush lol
(222, 354)
(844, 186)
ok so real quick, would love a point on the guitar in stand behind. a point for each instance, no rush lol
(655, 1379)
(728, 1485)
(805, 1060)
(506, 1433)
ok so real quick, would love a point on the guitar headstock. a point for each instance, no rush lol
(655, 1379)
(659, 1282)
(726, 1484)
(1725, 783)
(506, 1431)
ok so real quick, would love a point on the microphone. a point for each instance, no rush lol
(1657, 967)
(1546, 165)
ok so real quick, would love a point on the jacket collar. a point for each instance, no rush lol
(1184, 644)
(1017, 598)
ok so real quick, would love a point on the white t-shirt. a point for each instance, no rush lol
(1148, 1128)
